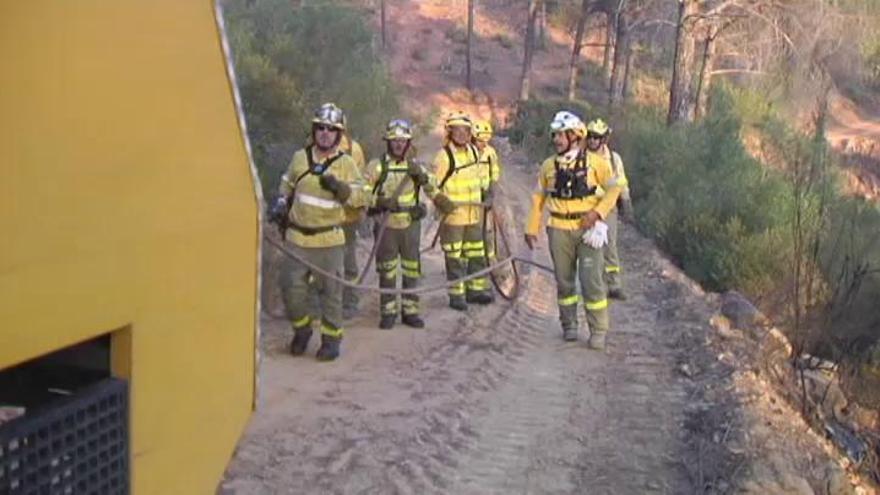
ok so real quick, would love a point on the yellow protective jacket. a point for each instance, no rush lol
(619, 172)
(385, 184)
(312, 206)
(464, 184)
(350, 146)
(599, 175)
(489, 160)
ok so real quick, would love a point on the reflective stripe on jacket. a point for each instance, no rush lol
(464, 186)
(314, 207)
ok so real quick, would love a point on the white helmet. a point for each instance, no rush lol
(565, 121)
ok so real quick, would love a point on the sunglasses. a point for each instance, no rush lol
(595, 136)
(326, 128)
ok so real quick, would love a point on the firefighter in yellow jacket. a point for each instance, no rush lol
(567, 185)
(461, 200)
(396, 180)
(319, 182)
(354, 216)
(598, 134)
(482, 135)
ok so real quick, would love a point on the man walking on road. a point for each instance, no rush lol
(567, 185)
(319, 182)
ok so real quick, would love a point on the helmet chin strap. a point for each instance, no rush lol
(571, 144)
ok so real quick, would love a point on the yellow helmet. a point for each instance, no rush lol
(458, 118)
(398, 129)
(331, 115)
(482, 130)
(598, 127)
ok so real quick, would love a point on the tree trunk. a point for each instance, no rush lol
(704, 83)
(542, 26)
(680, 97)
(384, 20)
(616, 88)
(525, 86)
(610, 32)
(470, 36)
(576, 50)
(628, 71)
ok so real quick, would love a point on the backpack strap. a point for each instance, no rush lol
(383, 174)
(453, 167)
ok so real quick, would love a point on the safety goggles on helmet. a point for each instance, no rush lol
(330, 115)
(398, 129)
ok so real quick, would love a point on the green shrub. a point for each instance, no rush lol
(291, 59)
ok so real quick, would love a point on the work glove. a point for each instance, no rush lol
(597, 235)
(278, 210)
(385, 204)
(489, 196)
(444, 204)
(418, 212)
(417, 173)
(340, 189)
(531, 240)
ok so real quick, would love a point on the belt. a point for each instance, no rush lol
(568, 216)
(312, 230)
(373, 211)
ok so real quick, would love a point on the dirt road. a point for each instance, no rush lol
(492, 400)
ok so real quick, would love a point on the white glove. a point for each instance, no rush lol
(597, 235)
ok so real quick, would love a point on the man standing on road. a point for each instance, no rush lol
(567, 185)
(396, 180)
(461, 202)
(598, 134)
(353, 219)
(319, 182)
(491, 174)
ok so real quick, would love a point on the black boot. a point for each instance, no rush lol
(387, 321)
(617, 294)
(480, 298)
(329, 349)
(300, 340)
(570, 334)
(457, 303)
(413, 320)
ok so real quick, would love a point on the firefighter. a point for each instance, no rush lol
(395, 181)
(598, 134)
(482, 134)
(354, 217)
(461, 200)
(567, 185)
(319, 181)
